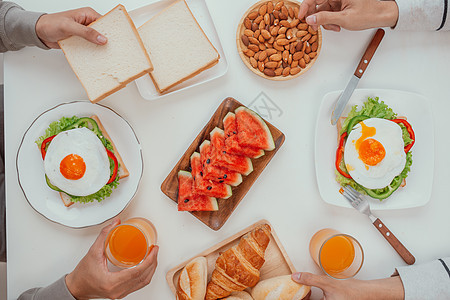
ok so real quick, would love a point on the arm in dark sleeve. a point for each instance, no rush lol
(18, 27)
(57, 290)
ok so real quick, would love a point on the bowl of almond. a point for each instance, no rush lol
(274, 43)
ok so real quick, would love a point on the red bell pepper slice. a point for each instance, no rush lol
(110, 155)
(116, 166)
(44, 144)
(410, 131)
(339, 153)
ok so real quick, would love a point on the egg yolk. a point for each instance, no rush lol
(72, 167)
(371, 152)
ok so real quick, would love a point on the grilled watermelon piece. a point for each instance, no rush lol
(252, 131)
(214, 173)
(220, 157)
(188, 200)
(207, 187)
(231, 139)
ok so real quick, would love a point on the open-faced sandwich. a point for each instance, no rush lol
(373, 154)
(80, 160)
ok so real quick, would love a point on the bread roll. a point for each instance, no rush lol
(238, 267)
(192, 280)
(279, 288)
(239, 296)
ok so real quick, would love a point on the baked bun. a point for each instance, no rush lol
(239, 296)
(279, 288)
(192, 280)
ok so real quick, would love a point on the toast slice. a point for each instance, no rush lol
(178, 47)
(105, 69)
(122, 172)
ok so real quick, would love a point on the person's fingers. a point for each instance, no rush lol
(142, 269)
(304, 8)
(326, 18)
(332, 27)
(305, 278)
(100, 241)
(86, 15)
(88, 33)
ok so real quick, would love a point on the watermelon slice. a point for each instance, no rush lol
(220, 157)
(252, 131)
(188, 200)
(207, 187)
(214, 173)
(231, 139)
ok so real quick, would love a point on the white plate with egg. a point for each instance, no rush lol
(47, 202)
(417, 110)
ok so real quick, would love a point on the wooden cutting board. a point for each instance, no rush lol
(216, 219)
(277, 261)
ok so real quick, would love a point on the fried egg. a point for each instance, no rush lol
(374, 153)
(77, 163)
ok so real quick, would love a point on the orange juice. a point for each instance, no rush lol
(129, 243)
(337, 254)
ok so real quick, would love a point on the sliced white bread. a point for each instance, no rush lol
(104, 69)
(177, 46)
(122, 172)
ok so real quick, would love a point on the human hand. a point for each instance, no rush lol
(51, 28)
(349, 14)
(388, 288)
(92, 279)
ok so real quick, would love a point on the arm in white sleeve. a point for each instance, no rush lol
(57, 290)
(423, 15)
(426, 281)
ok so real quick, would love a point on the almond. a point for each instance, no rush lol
(252, 15)
(270, 7)
(276, 14)
(289, 61)
(306, 58)
(302, 63)
(271, 40)
(280, 36)
(314, 46)
(269, 72)
(272, 18)
(278, 71)
(257, 33)
(292, 48)
(253, 62)
(308, 49)
(312, 31)
(312, 55)
(279, 5)
(306, 37)
(253, 40)
(271, 65)
(294, 63)
(248, 23)
(245, 40)
(312, 39)
(271, 52)
(295, 70)
(275, 57)
(260, 66)
(282, 16)
(301, 33)
(285, 55)
(262, 47)
(262, 56)
(294, 23)
(299, 46)
(261, 39)
(289, 34)
(258, 20)
(263, 10)
(297, 55)
(292, 40)
(253, 47)
(284, 10)
(282, 42)
(262, 25)
(248, 32)
(282, 30)
(256, 56)
(266, 34)
(286, 71)
(296, 11)
(267, 18)
(285, 23)
(302, 26)
(278, 47)
(254, 26)
(274, 30)
(249, 52)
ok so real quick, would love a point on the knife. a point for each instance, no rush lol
(345, 96)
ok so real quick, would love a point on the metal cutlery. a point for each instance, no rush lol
(362, 205)
(347, 93)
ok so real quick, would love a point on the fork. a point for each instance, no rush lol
(362, 205)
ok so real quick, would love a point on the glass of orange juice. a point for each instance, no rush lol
(339, 255)
(129, 243)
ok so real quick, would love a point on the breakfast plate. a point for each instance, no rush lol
(201, 13)
(416, 108)
(47, 202)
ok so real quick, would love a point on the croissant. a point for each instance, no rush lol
(238, 267)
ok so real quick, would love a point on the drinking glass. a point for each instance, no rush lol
(339, 255)
(129, 243)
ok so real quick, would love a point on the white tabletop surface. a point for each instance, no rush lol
(39, 251)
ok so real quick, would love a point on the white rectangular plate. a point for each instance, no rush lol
(419, 183)
(201, 13)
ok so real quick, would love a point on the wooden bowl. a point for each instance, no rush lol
(241, 46)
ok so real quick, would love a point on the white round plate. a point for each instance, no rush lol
(47, 202)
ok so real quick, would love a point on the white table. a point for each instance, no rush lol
(286, 194)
